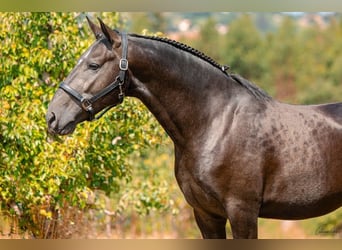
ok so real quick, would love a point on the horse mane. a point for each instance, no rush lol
(186, 48)
(252, 88)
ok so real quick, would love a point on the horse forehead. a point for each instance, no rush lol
(85, 55)
(97, 49)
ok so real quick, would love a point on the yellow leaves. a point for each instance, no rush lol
(25, 53)
(39, 92)
(45, 213)
(146, 32)
(72, 29)
(9, 90)
(5, 105)
(59, 21)
(13, 46)
(160, 34)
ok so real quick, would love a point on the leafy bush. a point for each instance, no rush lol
(40, 179)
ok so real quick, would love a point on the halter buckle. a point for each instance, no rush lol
(86, 104)
(123, 64)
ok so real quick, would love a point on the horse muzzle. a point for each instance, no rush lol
(56, 128)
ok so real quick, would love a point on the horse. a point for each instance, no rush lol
(239, 153)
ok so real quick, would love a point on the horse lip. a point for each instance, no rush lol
(67, 129)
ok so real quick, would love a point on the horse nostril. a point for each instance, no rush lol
(51, 117)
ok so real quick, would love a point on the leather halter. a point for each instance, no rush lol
(87, 103)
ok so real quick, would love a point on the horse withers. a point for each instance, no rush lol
(239, 154)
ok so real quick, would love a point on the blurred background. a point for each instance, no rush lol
(114, 178)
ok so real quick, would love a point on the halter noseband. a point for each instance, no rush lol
(87, 103)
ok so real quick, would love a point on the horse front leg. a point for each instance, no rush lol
(243, 220)
(211, 227)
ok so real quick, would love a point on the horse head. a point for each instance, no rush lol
(97, 82)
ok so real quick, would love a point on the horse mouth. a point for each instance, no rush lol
(66, 130)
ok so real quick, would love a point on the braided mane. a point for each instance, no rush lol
(186, 48)
(253, 89)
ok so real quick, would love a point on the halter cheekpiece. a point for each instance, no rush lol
(87, 103)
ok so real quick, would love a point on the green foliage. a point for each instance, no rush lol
(39, 178)
(210, 40)
(149, 190)
(244, 48)
(154, 22)
(330, 224)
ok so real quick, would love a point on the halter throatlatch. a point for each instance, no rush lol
(87, 103)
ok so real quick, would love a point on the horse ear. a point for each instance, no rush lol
(96, 29)
(112, 36)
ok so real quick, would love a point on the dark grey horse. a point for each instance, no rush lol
(239, 154)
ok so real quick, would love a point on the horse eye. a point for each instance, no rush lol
(93, 66)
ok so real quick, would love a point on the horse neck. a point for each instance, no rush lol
(181, 90)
